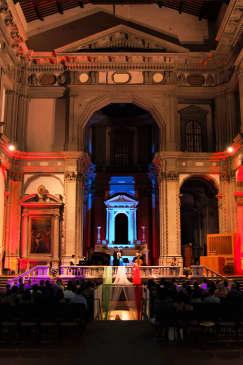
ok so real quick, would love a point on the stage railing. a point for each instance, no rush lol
(37, 272)
(98, 271)
(42, 272)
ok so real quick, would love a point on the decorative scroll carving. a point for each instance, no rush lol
(73, 176)
(171, 176)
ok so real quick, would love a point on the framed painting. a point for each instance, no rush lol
(40, 234)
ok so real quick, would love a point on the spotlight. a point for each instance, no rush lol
(230, 149)
(11, 147)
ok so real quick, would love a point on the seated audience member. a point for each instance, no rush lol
(20, 282)
(58, 285)
(182, 303)
(234, 295)
(69, 291)
(196, 295)
(28, 285)
(204, 285)
(221, 291)
(26, 297)
(79, 298)
(211, 298)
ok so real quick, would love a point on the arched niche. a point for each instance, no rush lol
(121, 204)
(53, 183)
(121, 228)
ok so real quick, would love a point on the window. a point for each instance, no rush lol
(194, 129)
(121, 154)
(193, 136)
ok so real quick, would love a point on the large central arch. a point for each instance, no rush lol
(98, 103)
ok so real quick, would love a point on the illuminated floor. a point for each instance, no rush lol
(123, 315)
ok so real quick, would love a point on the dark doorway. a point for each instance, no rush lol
(121, 229)
(199, 217)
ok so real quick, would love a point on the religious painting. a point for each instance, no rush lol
(40, 238)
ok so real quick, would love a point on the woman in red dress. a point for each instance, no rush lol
(136, 278)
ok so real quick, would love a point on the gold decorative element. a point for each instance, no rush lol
(83, 77)
(158, 77)
(42, 192)
(121, 77)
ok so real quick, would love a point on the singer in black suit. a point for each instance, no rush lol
(117, 257)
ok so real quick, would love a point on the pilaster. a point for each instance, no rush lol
(169, 207)
(74, 179)
(13, 219)
(72, 138)
(240, 78)
(220, 122)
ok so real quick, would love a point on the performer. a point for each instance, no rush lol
(173, 262)
(73, 261)
(136, 269)
(138, 259)
(117, 257)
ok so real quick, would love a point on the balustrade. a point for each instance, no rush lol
(94, 272)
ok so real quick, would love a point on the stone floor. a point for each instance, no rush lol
(119, 342)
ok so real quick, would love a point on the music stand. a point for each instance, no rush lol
(125, 260)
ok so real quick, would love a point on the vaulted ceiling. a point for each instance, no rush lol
(40, 9)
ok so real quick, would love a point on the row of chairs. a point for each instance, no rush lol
(30, 324)
(214, 322)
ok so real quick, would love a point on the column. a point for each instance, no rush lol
(225, 198)
(24, 235)
(8, 114)
(56, 248)
(22, 121)
(169, 212)
(172, 130)
(238, 247)
(231, 116)
(220, 122)
(173, 211)
(73, 121)
(71, 230)
(13, 222)
(240, 78)
(76, 165)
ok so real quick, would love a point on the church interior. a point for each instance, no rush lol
(120, 126)
(121, 173)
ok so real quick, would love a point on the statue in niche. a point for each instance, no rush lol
(62, 79)
(42, 192)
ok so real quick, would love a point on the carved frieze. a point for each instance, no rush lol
(121, 39)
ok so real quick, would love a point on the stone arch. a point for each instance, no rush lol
(33, 178)
(99, 102)
(199, 215)
(208, 178)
